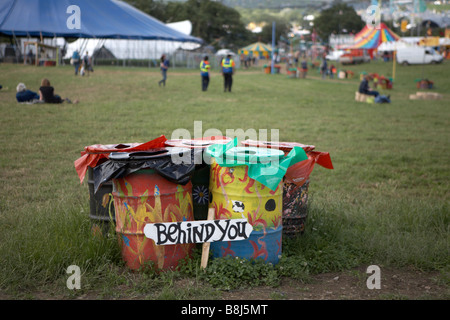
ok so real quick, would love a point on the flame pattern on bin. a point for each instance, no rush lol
(145, 197)
(233, 195)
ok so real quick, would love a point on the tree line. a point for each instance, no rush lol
(224, 27)
(217, 24)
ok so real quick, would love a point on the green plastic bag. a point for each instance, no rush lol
(267, 166)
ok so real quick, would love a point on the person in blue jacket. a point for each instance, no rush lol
(25, 95)
(164, 65)
(76, 60)
(228, 67)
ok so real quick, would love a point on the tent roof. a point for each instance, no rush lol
(99, 19)
(135, 49)
(371, 38)
(257, 47)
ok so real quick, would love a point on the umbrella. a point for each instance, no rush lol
(257, 48)
(224, 52)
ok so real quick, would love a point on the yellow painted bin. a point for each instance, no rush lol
(234, 195)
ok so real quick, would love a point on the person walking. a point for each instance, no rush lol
(228, 67)
(87, 64)
(324, 67)
(304, 68)
(76, 61)
(204, 72)
(164, 65)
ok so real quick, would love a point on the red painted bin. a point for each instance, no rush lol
(200, 179)
(295, 183)
(146, 197)
(101, 207)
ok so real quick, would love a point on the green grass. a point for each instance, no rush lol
(386, 201)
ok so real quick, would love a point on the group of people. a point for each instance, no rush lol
(228, 67)
(325, 70)
(46, 94)
(82, 65)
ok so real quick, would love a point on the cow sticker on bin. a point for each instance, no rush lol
(247, 181)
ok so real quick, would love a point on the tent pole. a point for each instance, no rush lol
(393, 65)
(273, 48)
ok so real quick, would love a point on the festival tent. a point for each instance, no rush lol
(135, 49)
(257, 48)
(371, 38)
(83, 19)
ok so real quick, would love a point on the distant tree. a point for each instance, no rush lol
(338, 17)
(212, 21)
(156, 9)
(282, 28)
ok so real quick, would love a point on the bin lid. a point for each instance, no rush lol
(198, 143)
(285, 146)
(260, 161)
(253, 154)
(149, 154)
(93, 155)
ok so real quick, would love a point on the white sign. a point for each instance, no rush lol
(198, 231)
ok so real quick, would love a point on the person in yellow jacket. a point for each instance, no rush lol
(204, 72)
(227, 72)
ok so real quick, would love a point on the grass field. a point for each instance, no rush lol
(385, 203)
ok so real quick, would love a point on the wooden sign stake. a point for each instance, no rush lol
(206, 245)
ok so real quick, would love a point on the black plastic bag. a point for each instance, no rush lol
(164, 161)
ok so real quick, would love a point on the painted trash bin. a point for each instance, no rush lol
(296, 183)
(200, 178)
(101, 205)
(246, 182)
(149, 188)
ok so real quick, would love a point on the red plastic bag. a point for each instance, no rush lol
(299, 172)
(97, 153)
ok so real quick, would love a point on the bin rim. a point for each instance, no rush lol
(108, 148)
(197, 143)
(285, 146)
(149, 154)
(253, 154)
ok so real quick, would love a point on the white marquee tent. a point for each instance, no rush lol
(135, 49)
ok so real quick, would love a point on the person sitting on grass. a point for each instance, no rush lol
(365, 89)
(46, 93)
(25, 95)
